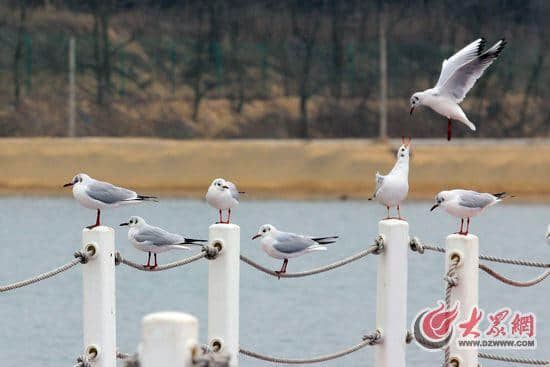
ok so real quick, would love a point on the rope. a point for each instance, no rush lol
(376, 249)
(416, 245)
(512, 282)
(204, 356)
(513, 359)
(369, 339)
(207, 252)
(452, 281)
(82, 361)
(80, 258)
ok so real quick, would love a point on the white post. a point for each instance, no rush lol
(72, 87)
(168, 339)
(99, 296)
(391, 293)
(223, 291)
(467, 290)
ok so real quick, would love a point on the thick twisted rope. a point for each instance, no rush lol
(374, 249)
(80, 258)
(207, 252)
(452, 281)
(417, 246)
(515, 283)
(513, 359)
(369, 339)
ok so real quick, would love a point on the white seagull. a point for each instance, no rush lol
(151, 239)
(285, 245)
(458, 75)
(223, 195)
(94, 194)
(466, 204)
(393, 188)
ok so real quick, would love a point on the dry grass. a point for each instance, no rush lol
(273, 168)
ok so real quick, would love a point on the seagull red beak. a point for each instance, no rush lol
(412, 109)
(68, 184)
(255, 236)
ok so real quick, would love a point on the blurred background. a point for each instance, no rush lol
(263, 69)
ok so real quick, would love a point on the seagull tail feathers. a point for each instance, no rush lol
(503, 195)
(147, 198)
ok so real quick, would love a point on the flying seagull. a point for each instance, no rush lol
(458, 75)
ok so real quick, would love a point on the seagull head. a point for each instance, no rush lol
(219, 184)
(134, 221)
(404, 150)
(440, 199)
(265, 230)
(77, 179)
(416, 100)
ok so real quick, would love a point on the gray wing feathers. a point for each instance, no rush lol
(108, 193)
(464, 77)
(233, 190)
(289, 243)
(379, 182)
(158, 236)
(472, 199)
(463, 56)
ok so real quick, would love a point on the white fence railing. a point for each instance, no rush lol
(171, 339)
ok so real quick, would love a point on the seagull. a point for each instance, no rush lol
(466, 204)
(458, 75)
(547, 236)
(393, 188)
(94, 194)
(223, 195)
(285, 245)
(151, 239)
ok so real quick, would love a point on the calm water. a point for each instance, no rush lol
(41, 324)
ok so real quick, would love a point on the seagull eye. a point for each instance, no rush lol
(264, 230)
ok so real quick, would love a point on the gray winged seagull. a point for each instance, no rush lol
(94, 194)
(223, 195)
(151, 239)
(465, 204)
(285, 245)
(458, 75)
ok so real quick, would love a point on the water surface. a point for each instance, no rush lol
(42, 324)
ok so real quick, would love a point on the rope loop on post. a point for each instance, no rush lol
(83, 256)
(379, 243)
(211, 252)
(373, 338)
(416, 246)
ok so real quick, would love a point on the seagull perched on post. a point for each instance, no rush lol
(285, 245)
(223, 195)
(151, 239)
(466, 204)
(393, 188)
(458, 75)
(94, 194)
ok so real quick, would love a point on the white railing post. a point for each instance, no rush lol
(168, 339)
(223, 291)
(99, 315)
(467, 290)
(391, 293)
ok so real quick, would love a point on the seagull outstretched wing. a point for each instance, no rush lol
(463, 56)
